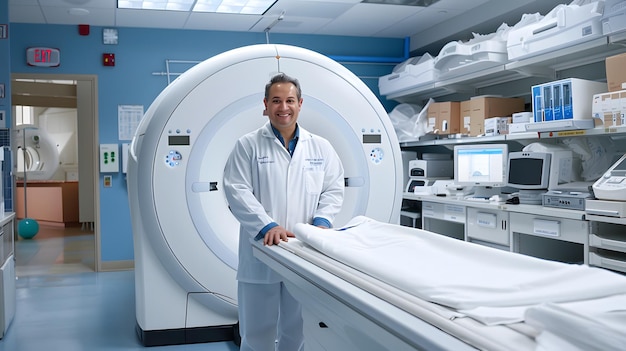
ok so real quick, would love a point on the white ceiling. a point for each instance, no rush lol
(428, 28)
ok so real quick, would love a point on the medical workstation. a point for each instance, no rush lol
(485, 211)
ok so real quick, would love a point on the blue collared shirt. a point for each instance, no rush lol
(292, 143)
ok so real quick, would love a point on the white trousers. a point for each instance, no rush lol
(269, 318)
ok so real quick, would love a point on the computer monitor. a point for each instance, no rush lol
(482, 166)
(529, 170)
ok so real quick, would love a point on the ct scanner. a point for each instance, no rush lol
(36, 153)
(185, 238)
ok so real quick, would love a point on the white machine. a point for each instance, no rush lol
(612, 185)
(37, 154)
(410, 74)
(479, 53)
(565, 25)
(614, 17)
(184, 234)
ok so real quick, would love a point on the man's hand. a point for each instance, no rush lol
(277, 234)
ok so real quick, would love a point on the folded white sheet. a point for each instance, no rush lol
(455, 273)
(590, 325)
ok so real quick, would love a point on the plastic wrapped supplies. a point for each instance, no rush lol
(409, 121)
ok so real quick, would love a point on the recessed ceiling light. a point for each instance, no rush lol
(420, 3)
(171, 5)
(249, 7)
(253, 7)
(78, 11)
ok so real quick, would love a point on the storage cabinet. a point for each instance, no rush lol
(7, 272)
(552, 238)
(488, 227)
(607, 243)
(445, 219)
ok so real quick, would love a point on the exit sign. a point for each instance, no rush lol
(43, 57)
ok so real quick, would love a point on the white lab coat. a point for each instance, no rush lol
(264, 184)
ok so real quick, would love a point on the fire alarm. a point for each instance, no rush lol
(108, 59)
(83, 29)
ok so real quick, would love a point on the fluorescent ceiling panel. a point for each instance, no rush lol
(420, 3)
(252, 7)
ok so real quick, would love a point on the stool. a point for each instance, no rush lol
(413, 215)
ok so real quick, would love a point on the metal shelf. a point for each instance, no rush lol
(545, 65)
(612, 132)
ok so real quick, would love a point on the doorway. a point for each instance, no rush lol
(63, 108)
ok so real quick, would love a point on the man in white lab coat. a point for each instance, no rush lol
(275, 177)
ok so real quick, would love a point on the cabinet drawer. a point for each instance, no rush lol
(451, 213)
(490, 226)
(606, 243)
(572, 230)
(614, 263)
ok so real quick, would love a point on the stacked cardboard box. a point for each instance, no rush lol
(481, 108)
(444, 117)
(615, 72)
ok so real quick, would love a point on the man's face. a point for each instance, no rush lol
(282, 106)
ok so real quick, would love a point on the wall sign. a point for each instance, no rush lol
(43, 57)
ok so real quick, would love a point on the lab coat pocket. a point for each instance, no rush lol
(313, 182)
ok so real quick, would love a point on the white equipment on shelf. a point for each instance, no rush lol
(482, 52)
(612, 185)
(565, 25)
(564, 104)
(614, 18)
(412, 73)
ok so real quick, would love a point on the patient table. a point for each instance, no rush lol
(379, 286)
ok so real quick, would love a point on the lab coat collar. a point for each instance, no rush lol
(303, 133)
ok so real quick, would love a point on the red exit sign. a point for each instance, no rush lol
(43, 57)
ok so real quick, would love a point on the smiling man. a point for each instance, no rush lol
(275, 177)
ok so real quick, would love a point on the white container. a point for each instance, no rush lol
(564, 26)
(412, 73)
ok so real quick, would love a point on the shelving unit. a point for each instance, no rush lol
(575, 239)
(534, 70)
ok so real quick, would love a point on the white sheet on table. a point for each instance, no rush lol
(591, 325)
(609, 310)
(455, 273)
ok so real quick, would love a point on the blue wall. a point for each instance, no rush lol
(5, 105)
(141, 52)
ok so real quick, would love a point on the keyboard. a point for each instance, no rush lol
(476, 199)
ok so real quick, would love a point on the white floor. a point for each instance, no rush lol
(63, 305)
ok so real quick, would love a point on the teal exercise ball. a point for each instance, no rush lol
(27, 228)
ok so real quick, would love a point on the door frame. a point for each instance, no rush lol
(86, 105)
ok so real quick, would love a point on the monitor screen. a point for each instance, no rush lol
(529, 170)
(481, 164)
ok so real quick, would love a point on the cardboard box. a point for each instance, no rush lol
(465, 108)
(432, 114)
(444, 117)
(615, 72)
(482, 108)
(449, 120)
